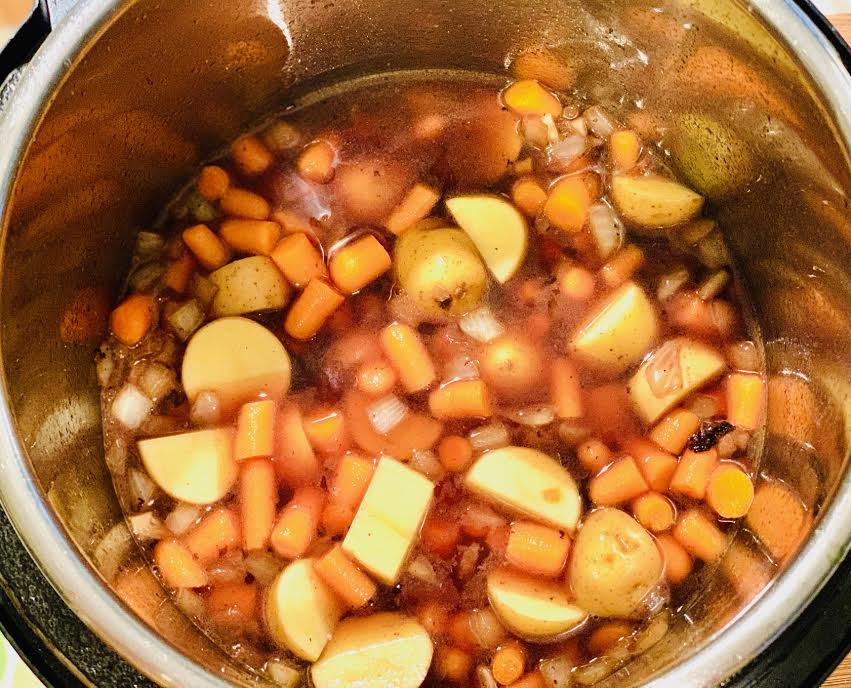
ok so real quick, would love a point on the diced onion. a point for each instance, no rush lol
(533, 416)
(264, 566)
(402, 308)
(556, 671)
(606, 229)
(595, 670)
(460, 367)
(200, 208)
(145, 277)
(704, 406)
(560, 155)
(116, 457)
(491, 436)
(130, 407)
(189, 602)
(572, 433)
(481, 325)
(104, 368)
(203, 290)
(281, 136)
(386, 413)
(712, 251)
(421, 569)
(427, 463)
(228, 569)
(186, 319)
(713, 285)
(485, 678)
(206, 409)
(744, 356)
(182, 518)
(156, 381)
(479, 518)
(670, 283)
(112, 550)
(599, 121)
(148, 245)
(486, 628)
(147, 526)
(142, 488)
(664, 374)
(284, 675)
(552, 130)
(468, 561)
(535, 132)
(651, 634)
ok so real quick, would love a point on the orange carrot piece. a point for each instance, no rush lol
(295, 461)
(358, 263)
(177, 565)
(575, 282)
(657, 466)
(343, 576)
(218, 532)
(326, 429)
(460, 399)
(250, 156)
(678, 562)
(234, 606)
(625, 149)
(730, 491)
(434, 617)
(408, 355)
(244, 203)
(311, 309)
(528, 97)
(693, 471)
(537, 549)
(132, 319)
(440, 536)
(654, 511)
(594, 455)
(609, 412)
(778, 518)
(566, 389)
(528, 195)
(508, 663)
(85, 318)
(316, 162)
(699, 535)
(346, 491)
(213, 182)
(455, 453)
(534, 679)
(298, 523)
(257, 237)
(376, 378)
(415, 206)
(210, 251)
(568, 204)
(255, 430)
(672, 432)
(622, 266)
(258, 502)
(453, 664)
(179, 273)
(298, 259)
(621, 482)
(607, 635)
(745, 400)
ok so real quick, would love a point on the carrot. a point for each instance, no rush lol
(607, 635)
(295, 461)
(210, 251)
(672, 432)
(408, 355)
(243, 203)
(455, 453)
(608, 412)
(326, 429)
(777, 518)
(218, 532)
(622, 266)
(625, 149)
(343, 576)
(654, 511)
(480, 519)
(678, 562)
(528, 195)
(298, 523)
(416, 205)
(567, 204)
(317, 161)
(358, 263)
(255, 430)
(132, 319)
(565, 389)
(460, 399)
(213, 182)
(234, 606)
(179, 273)
(293, 222)
(575, 282)
(534, 679)
(699, 535)
(85, 317)
(713, 318)
(621, 482)
(537, 549)
(376, 378)
(250, 156)
(258, 501)
(177, 566)
(440, 536)
(434, 618)
(257, 237)
(593, 455)
(508, 663)
(693, 472)
(346, 491)
(460, 631)
(539, 62)
(453, 664)
(528, 97)
(298, 259)
(657, 466)
(745, 400)
(311, 309)
(730, 491)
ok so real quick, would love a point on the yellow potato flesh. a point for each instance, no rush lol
(301, 611)
(237, 359)
(654, 202)
(249, 285)
(195, 467)
(529, 483)
(379, 651)
(532, 608)
(618, 332)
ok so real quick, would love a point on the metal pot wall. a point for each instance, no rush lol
(126, 98)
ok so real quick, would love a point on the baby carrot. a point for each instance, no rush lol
(440, 536)
(460, 399)
(358, 263)
(210, 251)
(416, 205)
(250, 156)
(567, 204)
(434, 617)
(575, 282)
(408, 355)
(745, 399)
(622, 266)
(625, 149)
(179, 272)
(534, 679)
(678, 563)
(528, 97)
(606, 636)
(295, 461)
(619, 483)
(132, 319)
(376, 378)
(565, 389)
(255, 430)
(298, 259)
(537, 549)
(243, 203)
(177, 565)
(508, 663)
(672, 432)
(654, 511)
(730, 491)
(234, 605)
(298, 522)
(593, 455)
(258, 500)
(347, 488)
(699, 535)
(453, 664)
(657, 466)
(316, 162)
(455, 453)
(528, 195)
(327, 431)
(257, 237)
(311, 309)
(218, 532)
(213, 182)
(693, 471)
(343, 576)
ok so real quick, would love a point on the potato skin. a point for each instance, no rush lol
(614, 564)
(512, 365)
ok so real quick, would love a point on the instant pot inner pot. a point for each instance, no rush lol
(161, 86)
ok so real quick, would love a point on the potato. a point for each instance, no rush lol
(618, 332)
(529, 483)
(370, 189)
(249, 285)
(654, 202)
(195, 467)
(613, 565)
(385, 649)
(497, 229)
(301, 611)
(512, 366)
(534, 609)
(238, 359)
(440, 270)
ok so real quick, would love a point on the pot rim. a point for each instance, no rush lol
(85, 592)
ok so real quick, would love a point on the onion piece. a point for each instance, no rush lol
(281, 136)
(713, 285)
(142, 488)
(572, 433)
(264, 566)
(599, 121)
(203, 290)
(712, 251)
(534, 131)
(670, 283)
(481, 325)
(130, 407)
(552, 129)
(606, 229)
(427, 463)
(182, 518)
(112, 550)
(460, 367)
(206, 409)
(284, 675)
(484, 677)
(156, 381)
(663, 372)
(491, 436)
(200, 208)
(147, 526)
(104, 369)
(186, 319)
(116, 457)
(145, 277)
(402, 308)
(486, 628)
(189, 602)
(421, 569)
(651, 634)
(229, 568)
(386, 413)
(744, 356)
(148, 245)
(556, 671)
(560, 155)
(533, 416)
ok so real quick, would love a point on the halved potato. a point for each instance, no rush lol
(301, 611)
(238, 359)
(654, 202)
(527, 482)
(195, 467)
(618, 332)
(532, 608)
(698, 364)
(386, 649)
(249, 285)
(497, 229)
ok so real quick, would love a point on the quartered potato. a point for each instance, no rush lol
(249, 285)
(378, 651)
(618, 332)
(238, 359)
(497, 229)
(301, 611)
(195, 467)
(698, 364)
(654, 202)
(529, 483)
(534, 609)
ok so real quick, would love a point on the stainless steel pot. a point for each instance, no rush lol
(126, 97)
